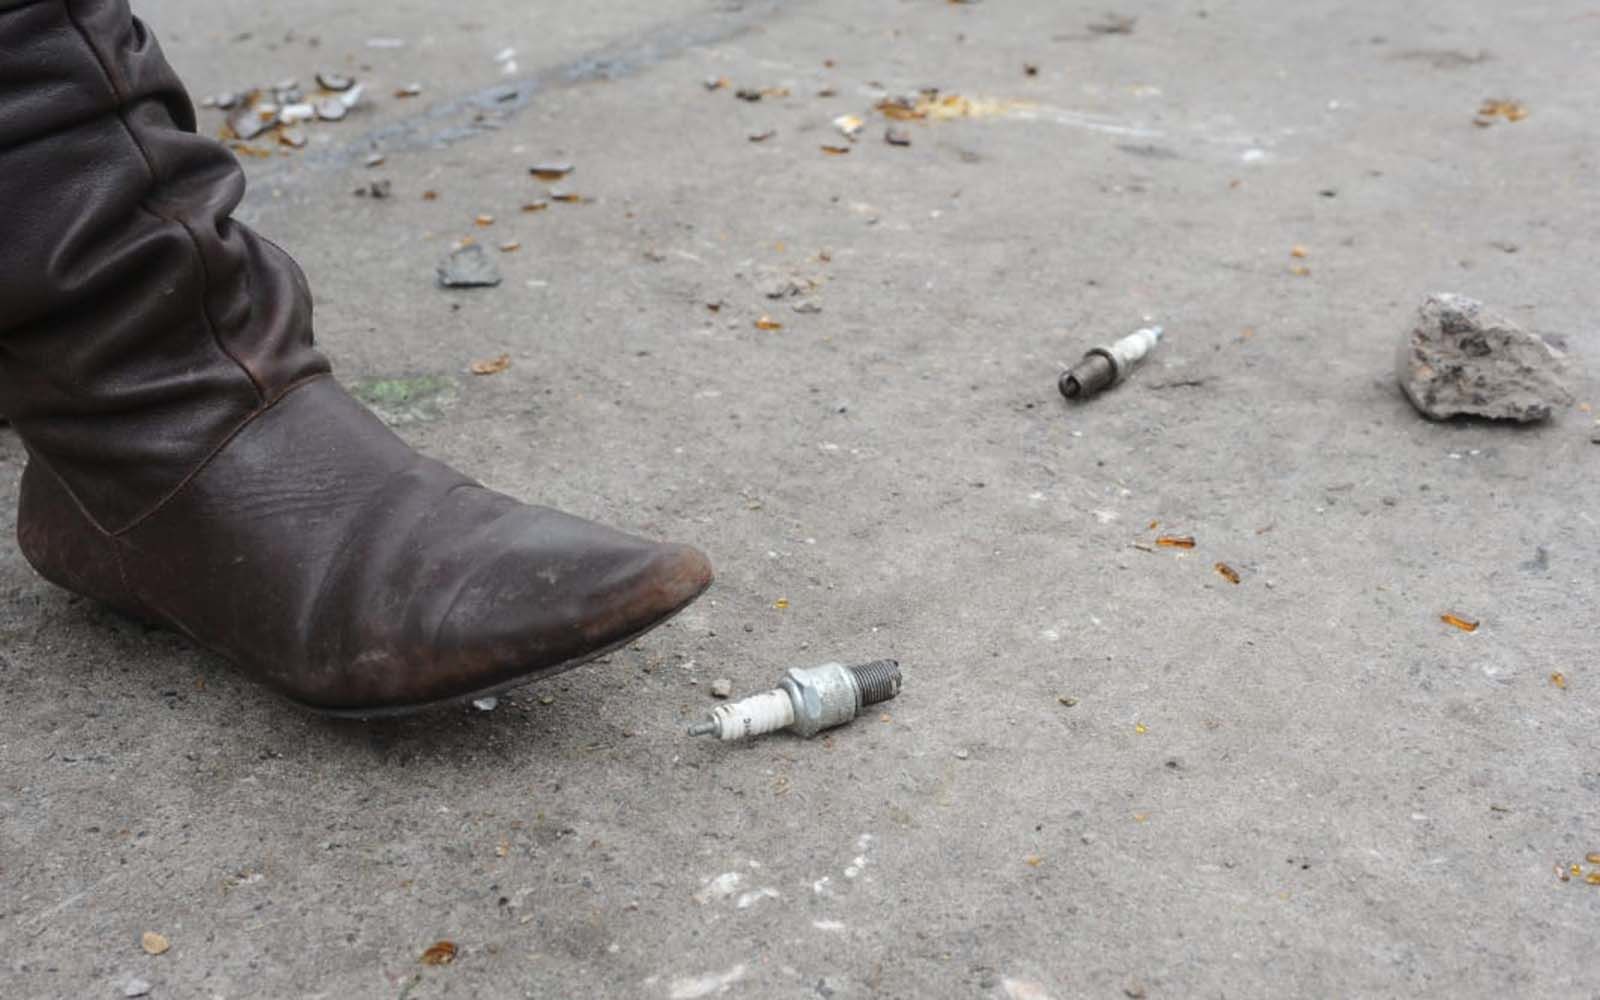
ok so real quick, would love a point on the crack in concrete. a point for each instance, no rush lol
(490, 107)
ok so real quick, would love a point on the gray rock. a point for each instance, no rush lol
(468, 267)
(722, 687)
(136, 988)
(1463, 359)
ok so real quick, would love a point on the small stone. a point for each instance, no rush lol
(292, 114)
(374, 160)
(486, 704)
(247, 123)
(468, 267)
(381, 188)
(963, 754)
(1462, 359)
(292, 137)
(332, 109)
(335, 82)
(136, 988)
(722, 687)
(807, 307)
(1067, 700)
(894, 135)
(782, 288)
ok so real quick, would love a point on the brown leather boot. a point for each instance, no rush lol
(193, 464)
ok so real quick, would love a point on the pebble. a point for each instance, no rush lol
(486, 704)
(1462, 359)
(468, 267)
(963, 754)
(136, 988)
(722, 687)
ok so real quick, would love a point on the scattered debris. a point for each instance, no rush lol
(807, 700)
(510, 246)
(136, 988)
(430, 195)
(1493, 108)
(894, 135)
(1103, 367)
(1559, 679)
(931, 105)
(550, 171)
(1176, 541)
(1464, 624)
(439, 953)
(154, 944)
(381, 188)
(335, 82)
(1462, 359)
(537, 205)
(849, 126)
(762, 136)
(409, 90)
(722, 687)
(836, 150)
(768, 323)
(1067, 700)
(483, 221)
(331, 109)
(1113, 24)
(468, 267)
(486, 704)
(292, 137)
(748, 94)
(247, 123)
(1227, 572)
(715, 82)
(492, 366)
(565, 196)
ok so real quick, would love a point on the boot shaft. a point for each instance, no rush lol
(140, 326)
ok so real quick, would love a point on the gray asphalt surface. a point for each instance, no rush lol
(1305, 784)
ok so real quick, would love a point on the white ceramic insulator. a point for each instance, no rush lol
(766, 712)
(1130, 350)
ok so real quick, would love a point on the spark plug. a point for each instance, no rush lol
(1104, 367)
(807, 700)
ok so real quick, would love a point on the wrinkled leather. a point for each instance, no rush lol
(191, 461)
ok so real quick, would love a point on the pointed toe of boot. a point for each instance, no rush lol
(561, 592)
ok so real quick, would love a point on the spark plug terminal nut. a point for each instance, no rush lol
(807, 700)
(1103, 367)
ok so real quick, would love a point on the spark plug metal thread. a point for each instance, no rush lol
(807, 700)
(1103, 367)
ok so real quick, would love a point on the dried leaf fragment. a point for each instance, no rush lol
(154, 944)
(430, 196)
(1227, 572)
(1464, 624)
(1299, 252)
(536, 206)
(439, 953)
(768, 323)
(836, 150)
(1593, 878)
(1176, 541)
(1492, 108)
(849, 126)
(409, 90)
(566, 197)
(510, 246)
(483, 221)
(1559, 679)
(492, 366)
(1593, 859)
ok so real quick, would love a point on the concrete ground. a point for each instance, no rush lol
(1305, 784)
